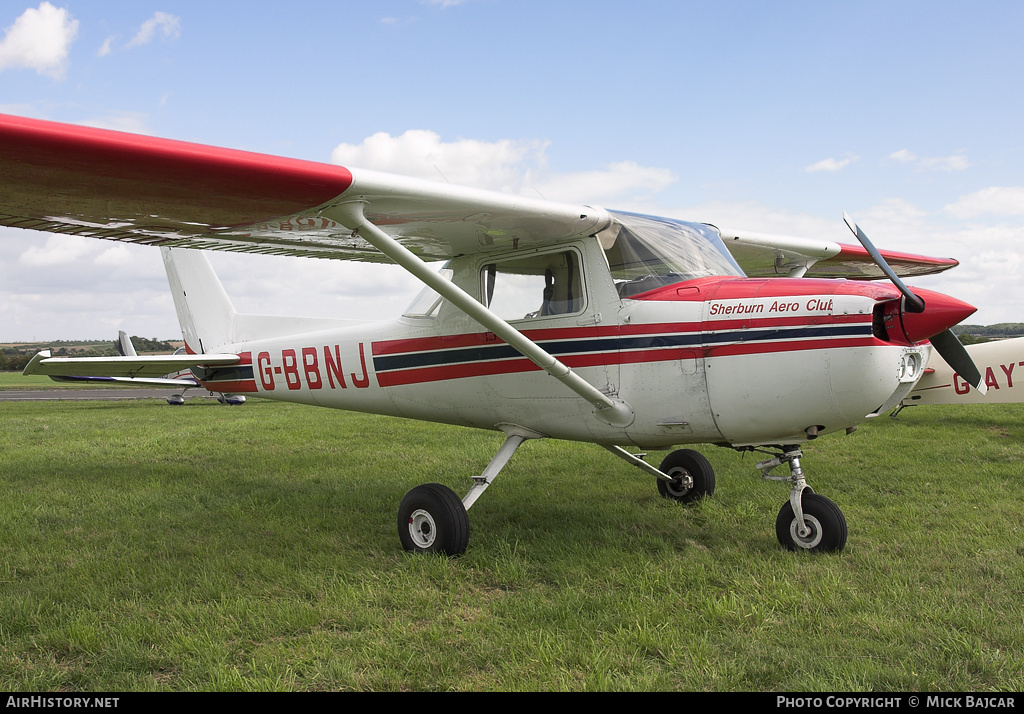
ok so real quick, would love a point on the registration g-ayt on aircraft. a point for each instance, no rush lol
(548, 320)
(1001, 364)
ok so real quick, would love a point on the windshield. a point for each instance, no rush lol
(647, 252)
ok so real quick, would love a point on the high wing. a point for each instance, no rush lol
(764, 256)
(78, 180)
(103, 184)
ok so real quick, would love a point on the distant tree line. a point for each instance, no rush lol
(973, 334)
(14, 358)
(143, 344)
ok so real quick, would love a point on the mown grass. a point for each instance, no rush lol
(211, 548)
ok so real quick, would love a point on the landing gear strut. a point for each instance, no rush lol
(806, 521)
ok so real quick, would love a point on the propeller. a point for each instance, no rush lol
(934, 327)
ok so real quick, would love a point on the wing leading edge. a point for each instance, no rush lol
(78, 180)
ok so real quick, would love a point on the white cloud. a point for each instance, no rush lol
(995, 200)
(133, 122)
(160, 24)
(39, 39)
(497, 165)
(756, 216)
(57, 250)
(443, 3)
(904, 156)
(519, 167)
(832, 164)
(954, 162)
(620, 181)
(165, 24)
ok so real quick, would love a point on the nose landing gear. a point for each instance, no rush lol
(806, 521)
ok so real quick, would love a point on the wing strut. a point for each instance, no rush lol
(350, 214)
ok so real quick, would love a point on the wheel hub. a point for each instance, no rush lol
(681, 482)
(811, 535)
(422, 529)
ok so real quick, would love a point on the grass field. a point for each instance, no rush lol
(254, 548)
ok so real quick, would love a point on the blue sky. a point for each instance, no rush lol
(766, 116)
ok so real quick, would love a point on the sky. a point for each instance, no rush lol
(770, 117)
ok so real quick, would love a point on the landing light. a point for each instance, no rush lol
(910, 367)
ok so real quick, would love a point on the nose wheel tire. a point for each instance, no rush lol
(432, 519)
(693, 476)
(826, 525)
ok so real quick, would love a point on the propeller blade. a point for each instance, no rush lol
(957, 357)
(914, 303)
(945, 342)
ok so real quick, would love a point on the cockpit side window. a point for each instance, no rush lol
(427, 303)
(533, 287)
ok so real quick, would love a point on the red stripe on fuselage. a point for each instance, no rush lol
(244, 385)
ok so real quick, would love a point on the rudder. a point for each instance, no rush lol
(204, 309)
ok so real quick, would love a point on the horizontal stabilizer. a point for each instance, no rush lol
(131, 366)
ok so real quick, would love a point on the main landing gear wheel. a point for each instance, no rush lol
(432, 519)
(825, 523)
(693, 477)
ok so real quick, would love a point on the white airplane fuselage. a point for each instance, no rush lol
(727, 360)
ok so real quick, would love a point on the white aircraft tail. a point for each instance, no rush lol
(205, 312)
(207, 317)
(124, 345)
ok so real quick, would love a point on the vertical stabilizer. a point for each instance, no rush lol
(205, 312)
(124, 345)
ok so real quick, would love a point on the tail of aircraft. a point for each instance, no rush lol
(124, 345)
(207, 317)
(205, 312)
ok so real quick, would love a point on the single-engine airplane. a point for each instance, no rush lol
(548, 319)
